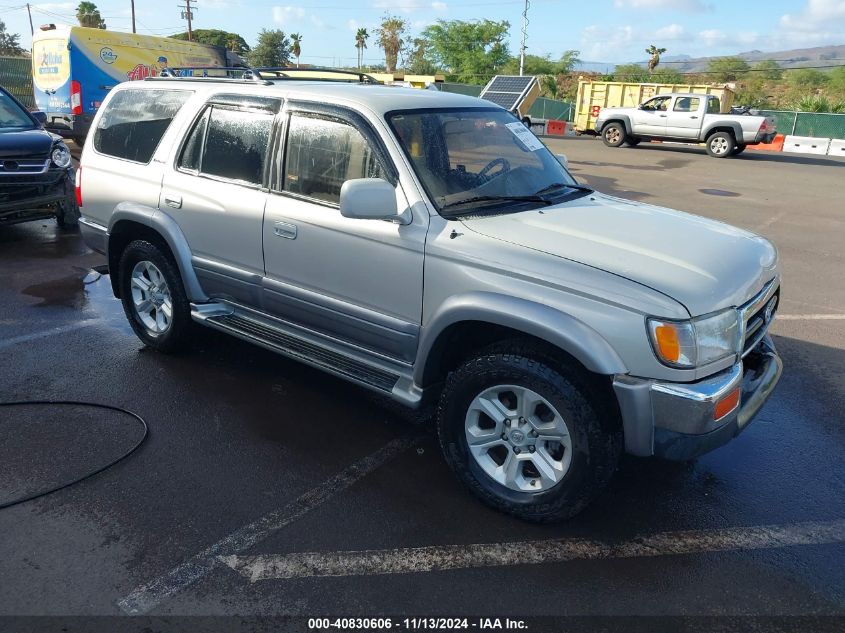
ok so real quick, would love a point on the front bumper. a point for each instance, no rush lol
(25, 197)
(677, 420)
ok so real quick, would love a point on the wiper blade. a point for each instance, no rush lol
(533, 198)
(563, 185)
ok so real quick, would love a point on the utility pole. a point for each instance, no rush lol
(31, 29)
(524, 38)
(188, 14)
(132, 2)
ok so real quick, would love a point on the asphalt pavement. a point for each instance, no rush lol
(268, 488)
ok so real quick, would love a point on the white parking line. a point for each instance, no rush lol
(148, 596)
(810, 317)
(444, 557)
(25, 338)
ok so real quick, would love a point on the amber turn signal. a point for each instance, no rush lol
(667, 342)
(726, 404)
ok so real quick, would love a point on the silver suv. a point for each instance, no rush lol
(429, 247)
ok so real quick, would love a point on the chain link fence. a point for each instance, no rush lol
(815, 124)
(16, 77)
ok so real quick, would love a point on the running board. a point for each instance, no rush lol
(272, 338)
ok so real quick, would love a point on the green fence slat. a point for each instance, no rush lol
(817, 124)
(16, 77)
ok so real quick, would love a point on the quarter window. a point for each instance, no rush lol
(134, 122)
(322, 154)
(228, 143)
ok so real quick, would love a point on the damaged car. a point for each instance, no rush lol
(36, 170)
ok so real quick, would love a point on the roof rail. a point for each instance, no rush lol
(300, 74)
(264, 74)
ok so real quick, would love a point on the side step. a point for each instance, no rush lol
(294, 347)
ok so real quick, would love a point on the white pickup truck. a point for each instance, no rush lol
(686, 118)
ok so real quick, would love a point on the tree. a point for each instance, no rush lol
(807, 78)
(545, 65)
(89, 15)
(473, 51)
(296, 48)
(272, 49)
(390, 39)
(230, 41)
(361, 37)
(727, 68)
(768, 69)
(418, 61)
(9, 42)
(635, 73)
(655, 57)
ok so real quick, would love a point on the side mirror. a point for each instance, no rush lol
(369, 199)
(561, 158)
(41, 117)
(641, 106)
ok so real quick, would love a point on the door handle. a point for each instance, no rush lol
(173, 201)
(285, 229)
(694, 116)
(663, 116)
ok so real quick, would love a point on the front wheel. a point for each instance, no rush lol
(153, 297)
(613, 135)
(720, 145)
(525, 436)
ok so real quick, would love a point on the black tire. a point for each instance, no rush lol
(526, 122)
(739, 149)
(614, 135)
(720, 145)
(177, 334)
(633, 141)
(594, 430)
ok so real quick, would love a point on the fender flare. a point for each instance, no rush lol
(624, 119)
(169, 230)
(541, 321)
(733, 125)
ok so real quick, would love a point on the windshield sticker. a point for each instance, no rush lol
(525, 136)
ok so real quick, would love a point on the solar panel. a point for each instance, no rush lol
(508, 91)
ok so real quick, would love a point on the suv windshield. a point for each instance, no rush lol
(12, 116)
(482, 157)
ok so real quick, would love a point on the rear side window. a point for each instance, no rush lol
(322, 154)
(134, 122)
(228, 143)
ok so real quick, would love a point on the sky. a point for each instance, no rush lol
(611, 31)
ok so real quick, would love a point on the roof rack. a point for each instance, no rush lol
(294, 73)
(264, 74)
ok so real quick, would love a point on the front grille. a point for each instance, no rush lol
(21, 167)
(758, 316)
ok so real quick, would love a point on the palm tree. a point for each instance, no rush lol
(655, 56)
(390, 39)
(361, 38)
(296, 49)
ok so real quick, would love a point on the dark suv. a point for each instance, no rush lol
(36, 173)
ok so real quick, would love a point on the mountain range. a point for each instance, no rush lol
(818, 56)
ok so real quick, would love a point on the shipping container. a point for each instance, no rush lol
(594, 96)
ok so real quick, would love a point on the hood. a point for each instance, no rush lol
(35, 143)
(703, 264)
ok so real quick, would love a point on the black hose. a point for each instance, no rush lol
(93, 472)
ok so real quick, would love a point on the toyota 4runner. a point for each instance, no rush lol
(429, 247)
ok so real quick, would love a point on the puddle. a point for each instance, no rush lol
(720, 192)
(67, 292)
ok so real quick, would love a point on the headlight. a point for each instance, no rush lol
(61, 156)
(696, 342)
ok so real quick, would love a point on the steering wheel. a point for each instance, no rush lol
(485, 171)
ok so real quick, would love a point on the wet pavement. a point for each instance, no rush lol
(261, 459)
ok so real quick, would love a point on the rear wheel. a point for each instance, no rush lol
(153, 297)
(613, 135)
(525, 436)
(720, 145)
